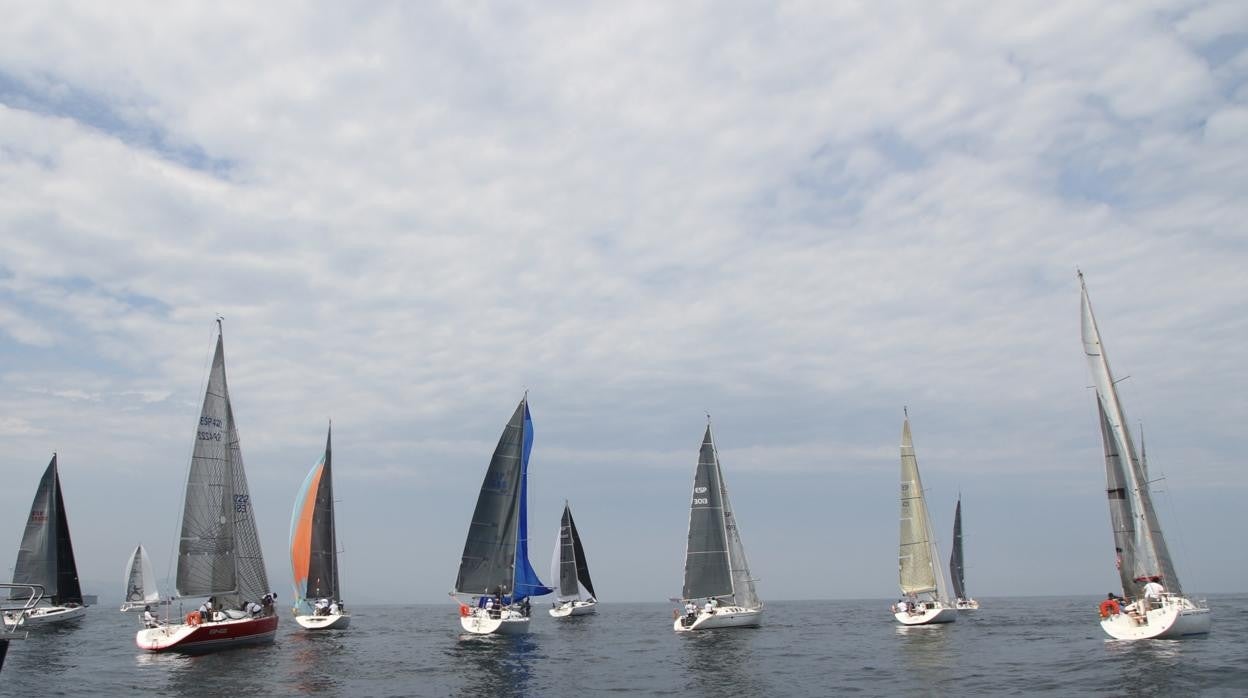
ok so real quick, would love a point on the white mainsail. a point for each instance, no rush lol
(917, 556)
(141, 586)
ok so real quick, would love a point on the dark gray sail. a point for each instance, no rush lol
(489, 558)
(46, 554)
(707, 569)
(1146, 551)
(578, 551)
(323, 557)
(568, 586)
(955, 558)
(219, 550)
(1120, 517)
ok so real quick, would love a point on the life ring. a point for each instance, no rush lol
(1110, 607)
(464, 611)
(192, 618)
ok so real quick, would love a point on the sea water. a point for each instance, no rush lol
(1024, 646)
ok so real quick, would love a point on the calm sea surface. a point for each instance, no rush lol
(1010, 647)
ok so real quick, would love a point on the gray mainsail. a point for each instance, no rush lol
(323, 556)
(1137, 531)
(956, 572)
(219, 551)
(918, 572)
(708, 572)
(568, 564)
(46, 554)
(489, 557)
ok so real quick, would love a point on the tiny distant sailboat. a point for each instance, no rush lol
(575, 593)
(715, 566)
(46, 558)
(314, 551)
(219, 554)
(922, 581)
(957, 575)
(141, 589)
(1158, 607)
(495, 570)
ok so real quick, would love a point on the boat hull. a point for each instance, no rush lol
(44, 615)
(335, 621)
(723, 617)
(930, 614)
(568, 609)
(207, 637)
(478, 621)
(1177, 617)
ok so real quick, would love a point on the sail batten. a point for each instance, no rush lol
(1140, 546)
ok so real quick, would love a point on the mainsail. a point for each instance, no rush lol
(956, 574)
(917, 557)
(568, 563)
(140, 579)
(313, 542)
(1138, 540)
(495, 557)
(46, 554)
(219, 551)
(708, 572)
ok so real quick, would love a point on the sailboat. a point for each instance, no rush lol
(495, 570)
(46, 558)
(314, 551)
(219, 552)
(1140, 547)
(956, 574)
(715, 564)
(569, 567)
(141, 589)
(922, 581)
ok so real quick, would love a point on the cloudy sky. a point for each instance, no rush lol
(798, 217)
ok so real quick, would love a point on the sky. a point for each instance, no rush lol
(796, 217)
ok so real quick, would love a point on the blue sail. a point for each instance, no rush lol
(526, 581)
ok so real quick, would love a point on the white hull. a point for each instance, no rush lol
(44, 615)
(335, 621)
(931, 613)
(723, 617)
(478, 621)
(568, 609)
(1177, 617)
(966, 605)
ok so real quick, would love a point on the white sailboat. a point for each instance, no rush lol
(715, 566)
(46, 558)
(957, 573)
(575, 594)
(1141, 553)
(141, 589)
(219, 553)
(314, 551)
(494, 571)
(922, 581)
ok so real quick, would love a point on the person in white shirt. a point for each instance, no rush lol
(254, 608)
(333, 608)
(902, 607)
(691, 608)
(149, 618)
(1152, 592)
(709, 607)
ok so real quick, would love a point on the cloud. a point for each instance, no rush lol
(796, 217)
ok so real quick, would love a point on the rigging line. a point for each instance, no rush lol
(1178, 528)
(170, 582)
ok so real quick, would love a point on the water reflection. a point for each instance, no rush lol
(494, 665)
(927, 649)
(318, 661)
(721, 662)
(230, 672)
(1151, 668)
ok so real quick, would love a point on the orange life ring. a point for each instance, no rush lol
(192, 618)
(464, 611)
(1110, 607)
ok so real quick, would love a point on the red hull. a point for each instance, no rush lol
(208, 637)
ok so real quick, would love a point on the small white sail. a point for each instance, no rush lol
(141, 589)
